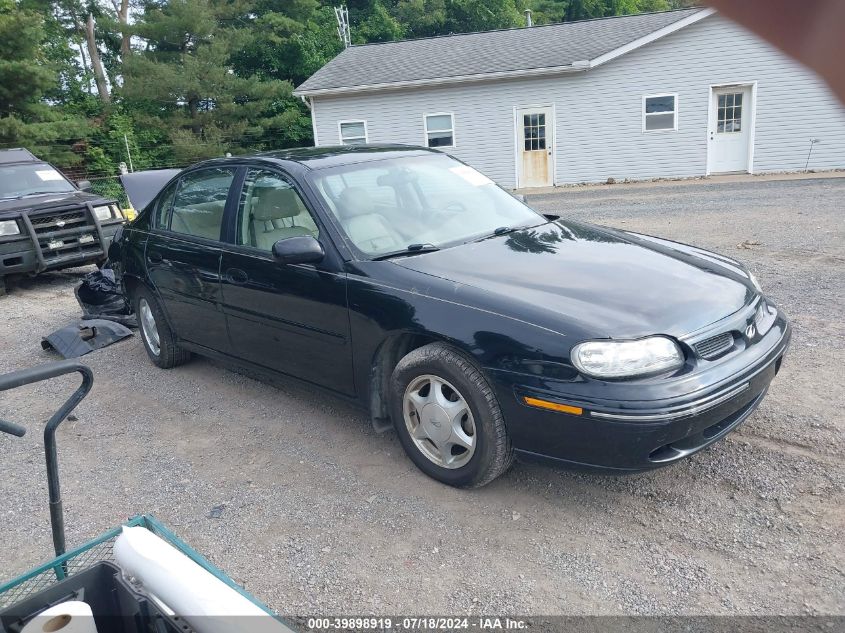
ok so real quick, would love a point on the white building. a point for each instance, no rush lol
(672, 94)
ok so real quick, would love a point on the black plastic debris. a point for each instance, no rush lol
(101, 297)
(92, 334)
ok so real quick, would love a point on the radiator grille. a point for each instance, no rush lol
(66, 235)
(58, 221)
(715, 345)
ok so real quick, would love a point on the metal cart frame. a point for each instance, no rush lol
(66, 563)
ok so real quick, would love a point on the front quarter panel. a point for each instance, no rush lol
(387, 300)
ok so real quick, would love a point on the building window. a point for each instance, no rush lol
(440, 130)
(730, 113)
(660, 112)
(534, 129)
(352, 132)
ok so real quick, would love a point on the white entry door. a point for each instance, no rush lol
(534, 138)
(730, 130)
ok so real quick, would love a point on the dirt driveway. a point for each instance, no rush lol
(323, 516)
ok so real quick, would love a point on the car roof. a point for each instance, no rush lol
(327, 156)
(17, 155)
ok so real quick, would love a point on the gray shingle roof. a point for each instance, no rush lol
(510, 50)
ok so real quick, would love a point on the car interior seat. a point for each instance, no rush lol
(202, 219)
(273, 217)
(370, 231)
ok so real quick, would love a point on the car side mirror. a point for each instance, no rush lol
(84, 185)
(298, 250)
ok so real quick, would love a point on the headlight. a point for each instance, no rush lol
(103, 213)
(755, 282)
(9, 227)
(624, 359)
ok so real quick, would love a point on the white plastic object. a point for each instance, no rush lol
(205, 602)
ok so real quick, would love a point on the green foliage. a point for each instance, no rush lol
(27, 77)
(185, 82)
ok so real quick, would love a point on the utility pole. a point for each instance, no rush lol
(128, 155)
(342, 15)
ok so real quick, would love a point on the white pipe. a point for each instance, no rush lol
(208, 604)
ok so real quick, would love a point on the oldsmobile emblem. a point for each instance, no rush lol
(60, 223)
(750, 331)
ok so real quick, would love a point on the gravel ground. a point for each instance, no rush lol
(323, 516)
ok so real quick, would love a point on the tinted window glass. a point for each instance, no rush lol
(165, 204)
(200, 201)
(270, 210)
(436, 200)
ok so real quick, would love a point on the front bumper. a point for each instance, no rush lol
(659, 428)
(24, 255)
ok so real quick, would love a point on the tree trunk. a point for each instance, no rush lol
(85, 68)
(193, 108)
(96, 64)
(122, 11)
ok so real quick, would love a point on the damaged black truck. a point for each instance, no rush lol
(47, 222)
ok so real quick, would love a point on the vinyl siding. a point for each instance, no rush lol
(599, 112)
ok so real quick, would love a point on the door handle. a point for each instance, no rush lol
(236, 276)
(155, 257)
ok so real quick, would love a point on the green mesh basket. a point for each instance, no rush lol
(97, 550)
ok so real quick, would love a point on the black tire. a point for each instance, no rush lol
(169, 353)
(493, 454)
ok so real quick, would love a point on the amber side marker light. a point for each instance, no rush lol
(552, 406)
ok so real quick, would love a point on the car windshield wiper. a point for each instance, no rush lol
(34, 193)
(502, 230)
(411, 249)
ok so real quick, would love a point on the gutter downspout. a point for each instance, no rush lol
(309, 101)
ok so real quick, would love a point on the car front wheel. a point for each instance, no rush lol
(448, 418)
(158, 338)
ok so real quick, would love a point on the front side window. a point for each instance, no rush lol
(31, 179)
(387, 206)
(660, 112)
(270, 209)
(439, 130)
(353, 132)
(200, 201)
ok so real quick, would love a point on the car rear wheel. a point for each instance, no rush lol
(158, 338)
(447, 417)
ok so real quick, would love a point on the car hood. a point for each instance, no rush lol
(142, 186)
(47, 201)
(612, 283)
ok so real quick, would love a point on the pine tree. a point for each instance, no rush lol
(184, 81)
(27, 76)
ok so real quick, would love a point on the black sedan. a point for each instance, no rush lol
(410, 283)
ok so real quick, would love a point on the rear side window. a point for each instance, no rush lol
(200, 201)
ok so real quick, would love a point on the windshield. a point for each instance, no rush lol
(416, 203)
(17, 181)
